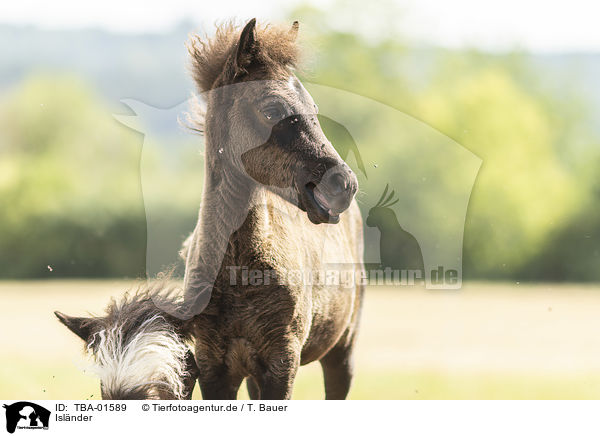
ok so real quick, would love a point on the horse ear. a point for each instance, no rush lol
(82, 327)
(294, 30)
(246, 46)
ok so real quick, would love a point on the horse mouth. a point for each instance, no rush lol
(316, 205)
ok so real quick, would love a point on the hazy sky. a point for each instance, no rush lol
(537, 25)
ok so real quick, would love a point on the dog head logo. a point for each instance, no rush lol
(26, 415)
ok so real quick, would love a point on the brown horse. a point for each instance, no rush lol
(278, 202)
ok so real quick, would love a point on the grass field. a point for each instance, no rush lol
(487, 341)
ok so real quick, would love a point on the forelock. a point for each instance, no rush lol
(276, 48)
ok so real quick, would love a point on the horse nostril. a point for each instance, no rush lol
(338, 184)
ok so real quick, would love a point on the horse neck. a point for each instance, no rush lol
(227, 198)
(225, 204)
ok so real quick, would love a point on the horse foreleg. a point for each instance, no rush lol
(337, 367)
(276, 381)
(274, 388)
(218, 384)
(191, 376)
(220, 389)
(253, 389)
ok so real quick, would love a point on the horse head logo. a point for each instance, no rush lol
(26, 415)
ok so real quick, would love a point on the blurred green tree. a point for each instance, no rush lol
(69, 190)
(532, 197)
(70, 194)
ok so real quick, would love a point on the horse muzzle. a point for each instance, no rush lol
(326, 199)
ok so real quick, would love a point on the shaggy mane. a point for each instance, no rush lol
(276, 47)
(137, 347)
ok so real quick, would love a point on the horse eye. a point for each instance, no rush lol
(273, 113)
